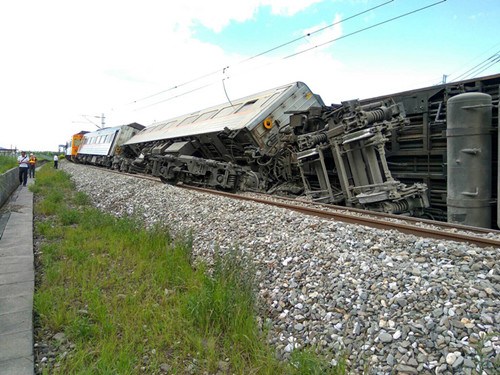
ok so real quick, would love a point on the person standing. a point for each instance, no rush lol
(23, 162)
(56, 161)
(32, 166)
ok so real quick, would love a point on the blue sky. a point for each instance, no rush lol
(64, 59)
(449, 37)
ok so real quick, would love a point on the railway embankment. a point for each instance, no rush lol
(396, 303)
(114, 297)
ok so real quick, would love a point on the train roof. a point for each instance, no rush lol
(112, 129)
(246, 112)
(494, 78)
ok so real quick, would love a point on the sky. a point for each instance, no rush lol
(66, 64)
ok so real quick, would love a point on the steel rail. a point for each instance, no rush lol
(379, 220)
(376, 221)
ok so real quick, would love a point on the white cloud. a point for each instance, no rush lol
(289, 7)
(62, 59)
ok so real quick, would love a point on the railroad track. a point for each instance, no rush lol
(419, 227)
(408, 225)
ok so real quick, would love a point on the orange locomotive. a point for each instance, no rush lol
(74, 144)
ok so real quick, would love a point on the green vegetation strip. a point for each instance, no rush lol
(6, 163)
(131, 300)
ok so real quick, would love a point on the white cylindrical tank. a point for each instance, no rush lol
(469, 159)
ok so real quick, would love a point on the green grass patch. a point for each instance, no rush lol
(129, 299)
(6, 163)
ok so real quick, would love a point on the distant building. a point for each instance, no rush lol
(8, 151)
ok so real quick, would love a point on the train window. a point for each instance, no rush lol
(165, 125)
(246, 105)
(205, 116)
(270, 98)
(224, 112)
(188, 120)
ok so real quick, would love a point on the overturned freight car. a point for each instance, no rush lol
(284, 140)
(426, 149)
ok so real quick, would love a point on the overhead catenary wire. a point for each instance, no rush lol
(178, 96)
(316, 31)
(262, 53)
(303, 51)
(481, 67)
(364, 29)
(469, 62)
(477, 73)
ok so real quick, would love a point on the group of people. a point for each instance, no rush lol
(27, 167)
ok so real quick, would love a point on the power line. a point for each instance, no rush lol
(301, 52)
(497, 60)
(475, 58)
(316, 31)
(261, 53)
(364, 29)
(177, 96)
(481, 67)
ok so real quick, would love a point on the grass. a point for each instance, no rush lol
(129, 300)
(6, 163)
(9, 162)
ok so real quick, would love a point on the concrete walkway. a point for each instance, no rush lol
(17, 279)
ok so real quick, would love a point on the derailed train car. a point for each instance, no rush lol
(232, 146)
(73, 145)
(283, 140)
(102, 146)
(414, 152)
(450, 144)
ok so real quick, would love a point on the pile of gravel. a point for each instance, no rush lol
(394, 303)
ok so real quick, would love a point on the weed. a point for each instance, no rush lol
(306, 362)
(486, 362)
(81, 199)
(130, 299)
(7, 162)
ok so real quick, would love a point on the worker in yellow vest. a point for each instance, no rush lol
(32, 166)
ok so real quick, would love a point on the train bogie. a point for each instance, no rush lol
(418, 152)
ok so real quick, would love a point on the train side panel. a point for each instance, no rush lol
(246, 114)
(418, 152)
(99, 147)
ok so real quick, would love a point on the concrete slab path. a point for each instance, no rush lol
(17, 283)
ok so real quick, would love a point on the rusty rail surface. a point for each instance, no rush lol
(404, 224)
(408, 225)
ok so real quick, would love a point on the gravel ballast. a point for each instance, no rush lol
(394, 303)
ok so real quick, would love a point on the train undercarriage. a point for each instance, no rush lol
(332, 155)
